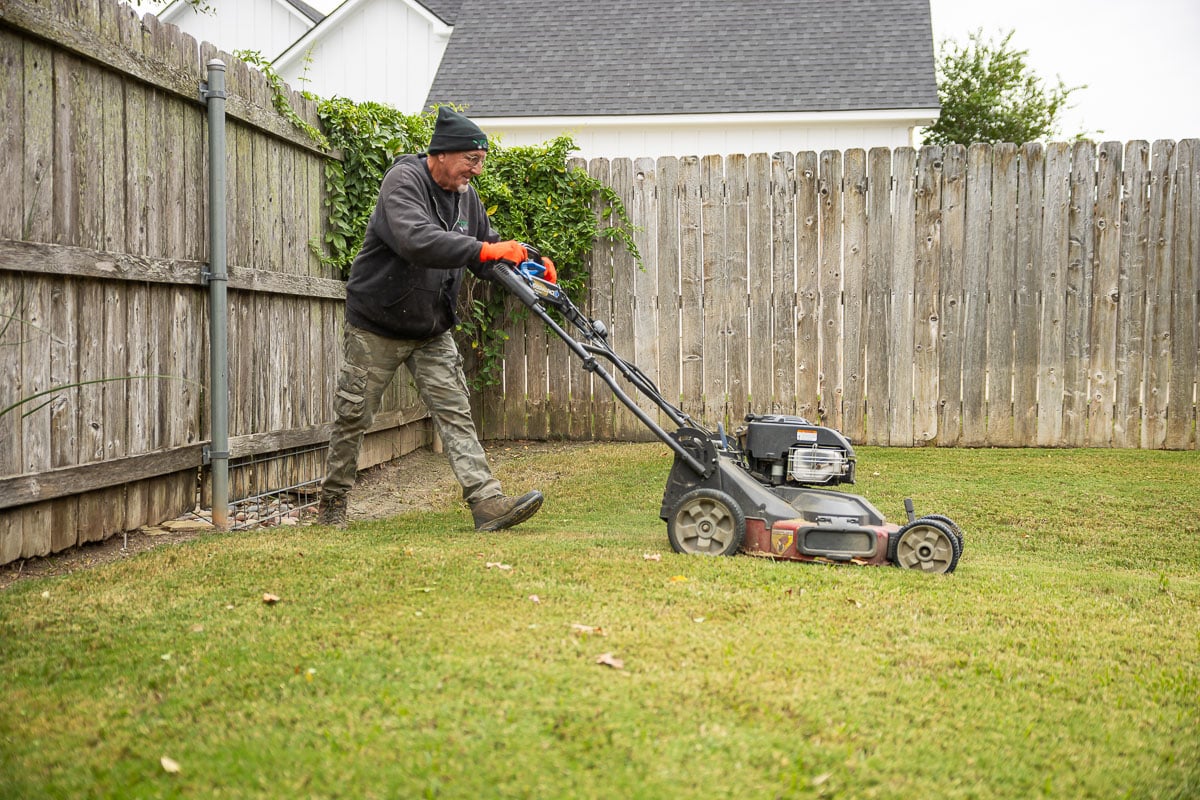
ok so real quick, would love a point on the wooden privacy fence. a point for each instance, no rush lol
(103, 308)
(1033, 296)
(1008, 296)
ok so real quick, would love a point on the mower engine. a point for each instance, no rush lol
(792, 451)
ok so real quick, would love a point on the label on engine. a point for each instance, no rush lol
(806, 435)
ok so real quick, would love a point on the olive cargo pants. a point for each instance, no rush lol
(369, 363)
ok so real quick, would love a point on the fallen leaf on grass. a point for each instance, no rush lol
(651, 557)
(678, 579)
(819, 779)
(608, 660)
(591, 630)
(169, 764)
(270, 599)
(533, 598)
(498, 565)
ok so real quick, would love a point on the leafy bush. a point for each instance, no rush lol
(989, 93)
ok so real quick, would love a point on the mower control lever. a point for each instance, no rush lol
(504, 275)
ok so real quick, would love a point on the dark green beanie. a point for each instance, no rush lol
(453, 132)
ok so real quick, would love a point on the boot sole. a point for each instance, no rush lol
(514, 517)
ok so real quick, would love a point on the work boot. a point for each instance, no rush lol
(500, 512)
(332, 511)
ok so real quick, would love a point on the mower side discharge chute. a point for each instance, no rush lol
(761, 493)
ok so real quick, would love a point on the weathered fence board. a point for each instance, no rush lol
(952, 306)
(829, 214)
(878, 298)
(901, 324)
(1102, 351)
(1051, 291)
(624, 298)
(998, 303)
(807, 390)
(643, 289)
(667, 225)
(782, 342)
(927, 287)
(1157, 355)
(1077, 302)
(759, 231)
(716, 296)
(691, 293)
(737, 256)
(853, 280)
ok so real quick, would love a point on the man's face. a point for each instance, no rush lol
(453, 171)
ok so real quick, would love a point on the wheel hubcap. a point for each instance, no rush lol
(704, 526)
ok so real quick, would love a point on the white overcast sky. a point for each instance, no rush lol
(1140, 59)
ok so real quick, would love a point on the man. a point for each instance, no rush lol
(428, 225)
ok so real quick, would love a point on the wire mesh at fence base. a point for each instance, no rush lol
(275, 489)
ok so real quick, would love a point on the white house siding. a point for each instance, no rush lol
(614, 137)
(379, 50)
(267, 26)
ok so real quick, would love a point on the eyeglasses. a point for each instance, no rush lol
(473, 160)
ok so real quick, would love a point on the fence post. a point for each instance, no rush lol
(217, 277)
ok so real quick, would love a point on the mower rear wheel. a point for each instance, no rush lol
(928, 545)
(706, 522)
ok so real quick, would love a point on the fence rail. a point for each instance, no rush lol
(1042, 295)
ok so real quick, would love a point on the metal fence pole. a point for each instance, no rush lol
(218, 455)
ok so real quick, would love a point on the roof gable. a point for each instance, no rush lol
(582, 57)
(330, 23)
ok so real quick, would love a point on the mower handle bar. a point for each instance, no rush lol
(521, 288)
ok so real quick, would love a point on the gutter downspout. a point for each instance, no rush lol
(213, 93)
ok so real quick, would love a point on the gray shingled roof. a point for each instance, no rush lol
(617, 57)
(445, 10)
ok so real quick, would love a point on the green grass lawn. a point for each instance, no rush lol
(1061, 659)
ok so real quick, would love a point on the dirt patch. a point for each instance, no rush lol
(421, 480)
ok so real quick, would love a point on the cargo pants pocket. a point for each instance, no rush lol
(349, 402)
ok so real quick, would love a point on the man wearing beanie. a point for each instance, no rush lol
(428, 225)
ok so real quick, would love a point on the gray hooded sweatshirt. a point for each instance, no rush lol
(405, 280)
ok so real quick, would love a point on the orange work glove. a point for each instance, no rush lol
(510, 251)
(551, 275)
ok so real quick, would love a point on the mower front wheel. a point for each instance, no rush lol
(928, 545)
(706, 522)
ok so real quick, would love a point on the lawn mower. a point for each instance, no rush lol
(763, 491)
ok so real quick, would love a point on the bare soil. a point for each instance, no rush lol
(419, 481)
